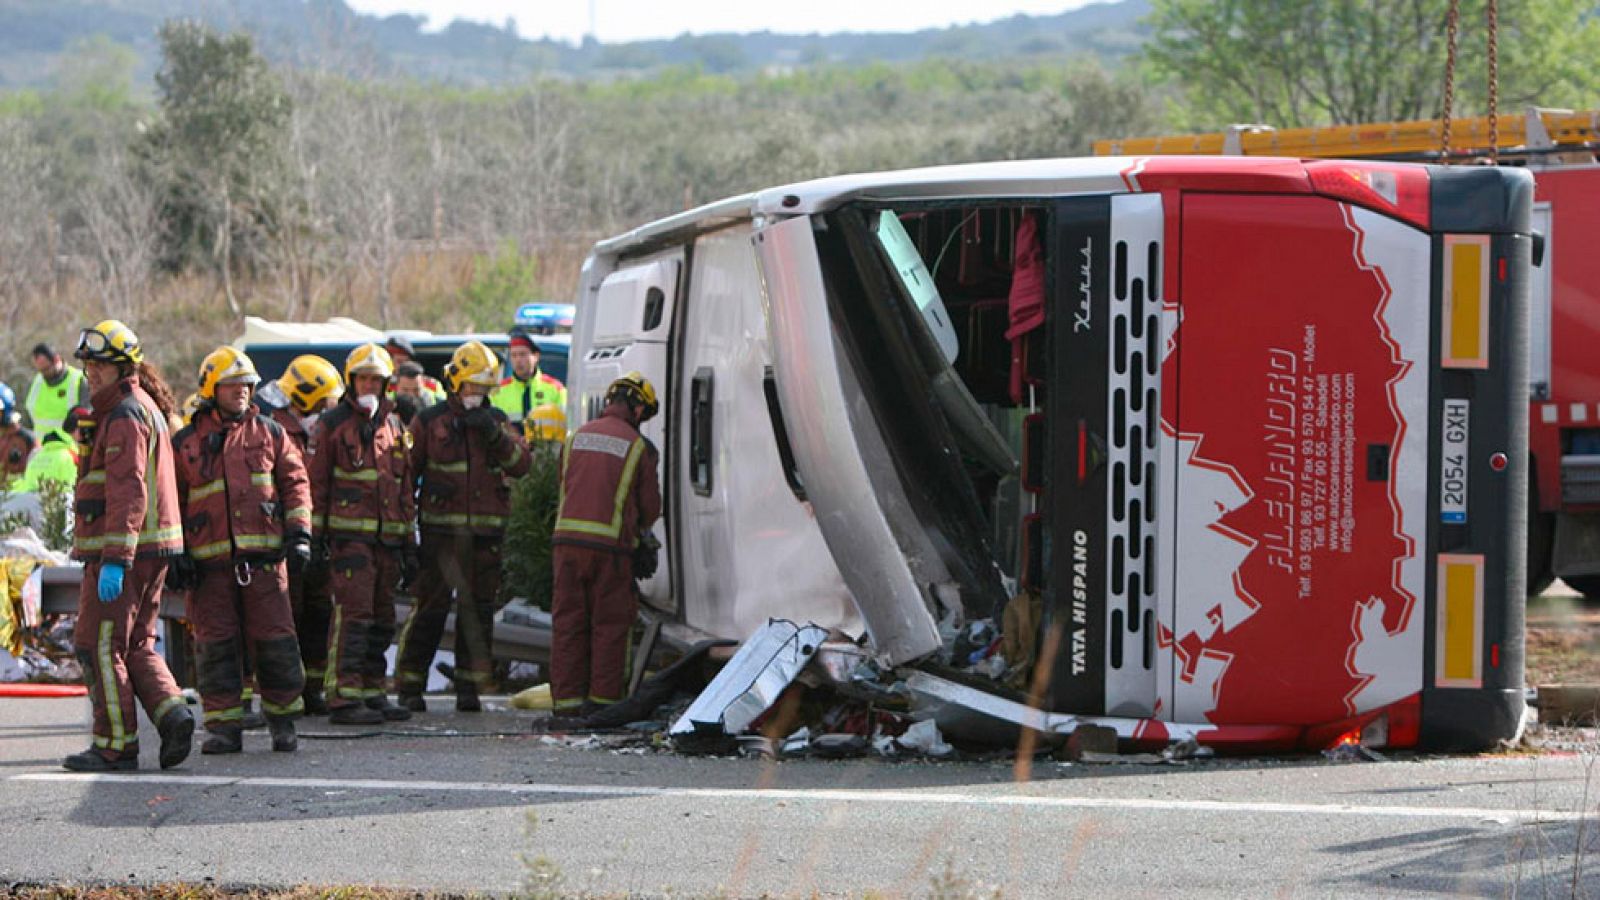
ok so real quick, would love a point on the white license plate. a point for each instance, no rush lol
(1453, 462)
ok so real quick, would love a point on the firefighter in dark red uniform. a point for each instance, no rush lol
(126, 530)
(609, 497)
(365, 526)
(247, 519)
(309, 387)
(464, 451)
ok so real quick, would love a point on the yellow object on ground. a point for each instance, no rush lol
(536, 697)
(13, 575)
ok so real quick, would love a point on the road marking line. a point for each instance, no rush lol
(926, 798)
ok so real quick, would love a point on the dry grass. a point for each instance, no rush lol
(211, 892)
(1563, 642)
(184, 317)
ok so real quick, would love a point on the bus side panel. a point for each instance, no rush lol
(1300, 520)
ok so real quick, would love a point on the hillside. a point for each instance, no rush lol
(327, 34)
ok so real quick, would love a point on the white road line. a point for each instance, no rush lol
(1015, 797)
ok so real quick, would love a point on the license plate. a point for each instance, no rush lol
(1453, 463)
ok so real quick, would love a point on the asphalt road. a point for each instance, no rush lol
(518, 811)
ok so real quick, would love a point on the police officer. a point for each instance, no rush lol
(126, 530)
(464, 451)
(609, 498)
(528, 388)
(247, 520)
(365, 523)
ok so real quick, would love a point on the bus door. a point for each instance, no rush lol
(633, 316)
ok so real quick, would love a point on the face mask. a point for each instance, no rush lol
(368, 403)
(472, 401)
(308, 422)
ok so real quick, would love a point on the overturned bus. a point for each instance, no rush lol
(1252, 430)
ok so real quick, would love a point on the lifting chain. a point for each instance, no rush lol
(1451, 26)
(1494, 81)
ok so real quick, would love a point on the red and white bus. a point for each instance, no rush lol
(1253, 429)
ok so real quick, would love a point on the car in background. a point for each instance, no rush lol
(273, 345)
(546, 318)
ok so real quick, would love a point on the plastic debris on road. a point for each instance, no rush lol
(750, 683)
(924, 737)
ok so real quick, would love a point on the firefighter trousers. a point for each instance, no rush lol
(116, 645)
(592, 616)
(464, 570)
(243, 629)
(312, 603)
(364, 577)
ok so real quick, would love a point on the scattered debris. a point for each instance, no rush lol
(749, 684)
(924, 738)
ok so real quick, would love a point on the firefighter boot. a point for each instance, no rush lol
(284, 740)
(386, 708)
(177, 735)
(316, 704)
(253, 719)
(223, 739)
(467, 697)
(92, 760)
(413, 701)
(354, 714)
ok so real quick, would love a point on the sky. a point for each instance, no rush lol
(629, 20)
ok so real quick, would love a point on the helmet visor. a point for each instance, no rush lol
(92, 344)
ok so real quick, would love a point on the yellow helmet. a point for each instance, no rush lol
(472, 363)
(637, 389)
(191, 405)
(368, 359)
(308, 381)
(225, 365)
(110, 342)
(547, 423)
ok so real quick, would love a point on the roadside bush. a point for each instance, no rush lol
(526, 556)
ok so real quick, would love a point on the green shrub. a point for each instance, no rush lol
(526, 557)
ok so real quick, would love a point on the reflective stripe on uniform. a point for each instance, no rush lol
(211, 550)
(258, 541)
(98, 476)
(454, 468)
(108, 682)
(230, 714)
(397, 529)
(358, 475)
(612, 529)
(205, 490)
(289, 709)
(261, 479)
(342, 523)
(298, 513)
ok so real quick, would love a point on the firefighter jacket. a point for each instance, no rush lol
(243, 486)
(361, 485)
(516, 398)
(609, 492)
(289, 421)
(126, 503)
(464, 487)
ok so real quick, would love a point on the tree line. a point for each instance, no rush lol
(302, 192)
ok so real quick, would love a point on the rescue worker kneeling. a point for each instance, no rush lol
(365, 519)
(464, 450)
(609, 499)
(247, 523)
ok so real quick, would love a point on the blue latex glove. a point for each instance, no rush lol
(111, 581)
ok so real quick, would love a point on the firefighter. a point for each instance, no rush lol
(16, 442)
(609, 498)
(126, 530)
(401, 352)
(546, 426)
(247, 523)
(309, 387)
(528, 388)
(364, 522)
(464, 451)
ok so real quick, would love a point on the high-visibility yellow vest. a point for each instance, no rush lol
(48, 404)
(517, 398)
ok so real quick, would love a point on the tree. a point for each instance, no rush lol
(222, 135)
(1310, 62)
